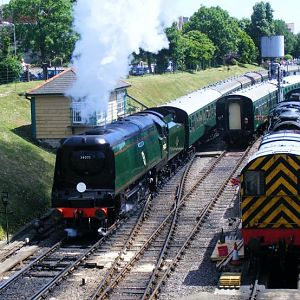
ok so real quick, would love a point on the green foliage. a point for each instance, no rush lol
(261, 22)
(234, 62)
(10, 69)
(5, 41)
(197, 47)
(162, 61)
(288, 57)
(209, 36)
(296, 51)
(231, 58)
(281, 28)
(219, 27)
(176, 47)
(246, 48)
(245, 25)
(44, 27)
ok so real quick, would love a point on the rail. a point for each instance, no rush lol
(193, 232)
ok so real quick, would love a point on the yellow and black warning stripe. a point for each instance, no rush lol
(278, 206)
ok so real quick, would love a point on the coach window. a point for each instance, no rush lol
(207, 113)
(201, 118)
(254, 183)
(193, 123)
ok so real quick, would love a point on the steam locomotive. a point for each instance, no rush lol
(101, 173)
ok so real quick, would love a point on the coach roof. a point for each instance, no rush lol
(195, 101)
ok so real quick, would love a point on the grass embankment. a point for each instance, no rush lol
(153, 90)
(26, 169)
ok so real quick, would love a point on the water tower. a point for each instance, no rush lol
(272, 47)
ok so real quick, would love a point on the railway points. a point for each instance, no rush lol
(168, 253)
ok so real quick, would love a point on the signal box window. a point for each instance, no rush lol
(254, 183)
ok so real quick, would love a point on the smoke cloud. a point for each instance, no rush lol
(110, 30)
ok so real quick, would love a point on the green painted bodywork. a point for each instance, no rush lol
(176, 139)
(201, 121)
(135, 157)
(262, 106)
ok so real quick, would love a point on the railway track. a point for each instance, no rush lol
(133, 245)
(143, 275)
(9, 249)
(32, 240)
(39, 276)
(204, 232)
(98, 261)
(112, 254)
(135, 260)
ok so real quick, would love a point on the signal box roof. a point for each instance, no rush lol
(60, 83)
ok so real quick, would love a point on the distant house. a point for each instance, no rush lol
(55, 116)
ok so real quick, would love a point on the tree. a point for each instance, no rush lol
(198, 48)
(162, 61)
(281, 28)
(296, 52)
(176, 47)
(219, 27)
(246, 48)
(245, 25)
(261, 22)
(10, 69)
(5, 42)
(43, 27)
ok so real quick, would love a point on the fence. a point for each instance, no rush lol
(8, 76)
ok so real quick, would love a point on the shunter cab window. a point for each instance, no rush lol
(254, 183)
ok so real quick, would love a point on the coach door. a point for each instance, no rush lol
(234, 121)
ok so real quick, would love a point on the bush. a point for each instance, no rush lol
(234, 62)
(10, 70)
(288, 57)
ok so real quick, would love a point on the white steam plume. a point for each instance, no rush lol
(110, 30)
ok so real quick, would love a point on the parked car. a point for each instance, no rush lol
(28, 77)
(51, 73)
(139, 70)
